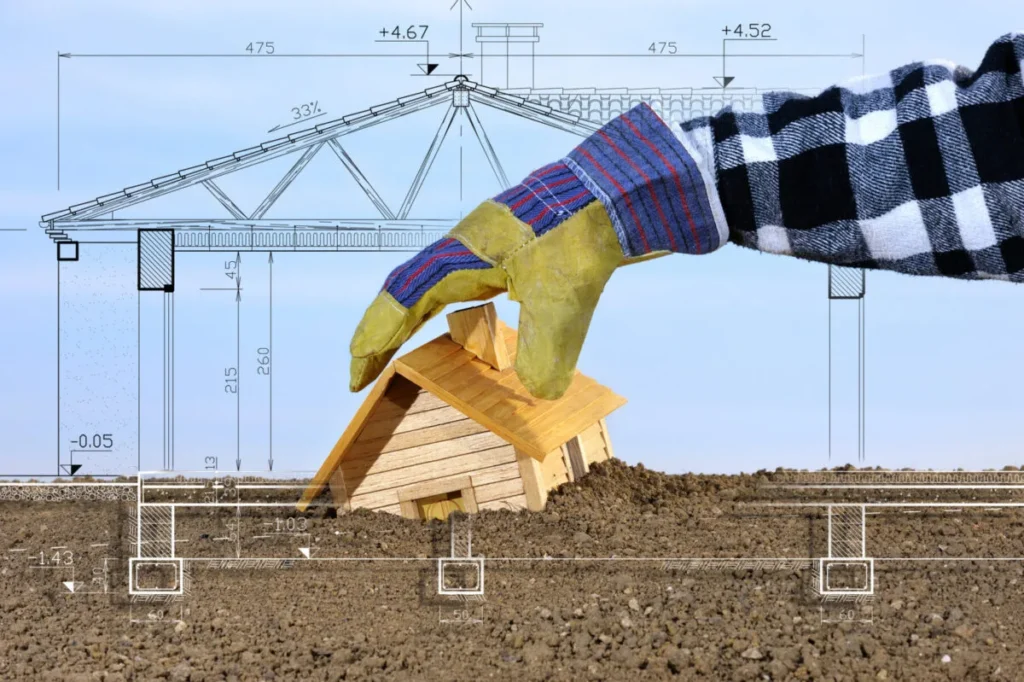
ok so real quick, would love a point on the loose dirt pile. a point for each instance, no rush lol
(597, 587)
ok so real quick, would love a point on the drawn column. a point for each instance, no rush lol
(846, 366)
(156, 348)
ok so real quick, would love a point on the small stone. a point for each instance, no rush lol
(634, 605)
(896, 604)
(946, 658)
(545, 614)
(535, 653)
(883, 674)
(753, 653)
(963, 631)
(180, 672)
(626, 622)
(181, 627)
(580, 537)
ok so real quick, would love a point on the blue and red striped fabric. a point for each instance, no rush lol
(649, 184)
(634, 166)
(409, 281)
(546, 197)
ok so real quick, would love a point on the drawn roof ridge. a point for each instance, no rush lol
(292, 142)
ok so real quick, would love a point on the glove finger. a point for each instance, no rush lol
(415, 292)
(558, 280)
(551, 335)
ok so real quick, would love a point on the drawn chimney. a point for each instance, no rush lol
(476, 330)
(509, 62)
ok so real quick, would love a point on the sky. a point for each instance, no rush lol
(724, 358)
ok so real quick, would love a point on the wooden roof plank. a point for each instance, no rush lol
(432, 353)
(333, 460)
(466, 408)
(534, 426)
(550, 434)
(537, 408)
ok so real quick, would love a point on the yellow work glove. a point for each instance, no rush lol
(629, 192)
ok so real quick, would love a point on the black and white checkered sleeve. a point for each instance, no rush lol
(920, 170)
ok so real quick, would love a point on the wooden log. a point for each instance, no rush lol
(339, 493)
(411, 439)
(512, 503)
(499, 490)
(533, 481)
(607, 439)
(356, 469)
(476, 330)
(382, 428)
(428, 471)
(479, 477)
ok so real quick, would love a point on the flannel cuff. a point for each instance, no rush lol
(656, 194)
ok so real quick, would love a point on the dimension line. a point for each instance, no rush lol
(470, 55)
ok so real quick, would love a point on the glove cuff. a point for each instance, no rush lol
(656, 194)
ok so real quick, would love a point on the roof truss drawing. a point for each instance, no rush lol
(254, 231)
(579, 111)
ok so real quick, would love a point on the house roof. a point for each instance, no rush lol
(493, 398)
(498, 400)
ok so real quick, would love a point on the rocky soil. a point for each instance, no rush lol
(599, 586)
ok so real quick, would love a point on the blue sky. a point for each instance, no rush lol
(723, 357)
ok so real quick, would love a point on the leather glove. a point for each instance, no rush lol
(630, 192)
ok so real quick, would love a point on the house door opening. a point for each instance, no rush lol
(577, 464)
(440, 506)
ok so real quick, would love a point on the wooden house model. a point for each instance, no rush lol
(449, 426)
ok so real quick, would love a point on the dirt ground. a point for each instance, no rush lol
(600, 586)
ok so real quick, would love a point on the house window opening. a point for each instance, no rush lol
(440, 506)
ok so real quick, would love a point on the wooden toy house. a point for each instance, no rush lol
(449, 426)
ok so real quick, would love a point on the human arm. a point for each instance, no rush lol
(918, 171)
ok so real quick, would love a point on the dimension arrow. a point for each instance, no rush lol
(427, 69)
(70, 584)
(270, 369)
(304, 551)
(724, 80)
(238, 362)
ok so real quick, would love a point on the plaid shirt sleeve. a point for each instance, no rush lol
(920, 170)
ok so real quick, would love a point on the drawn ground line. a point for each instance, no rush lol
(601, 559)
(934, 486)
(945, 505)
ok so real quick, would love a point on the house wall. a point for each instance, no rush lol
(543, 476)
(597, 446)
(411, 438)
